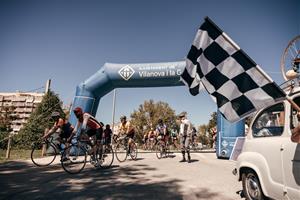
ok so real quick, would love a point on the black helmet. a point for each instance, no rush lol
(55, 114)
(160, 121)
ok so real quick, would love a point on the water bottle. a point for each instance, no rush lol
(62, 147)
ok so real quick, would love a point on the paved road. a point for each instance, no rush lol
(147, 178)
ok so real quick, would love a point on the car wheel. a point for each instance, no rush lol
(251, 186)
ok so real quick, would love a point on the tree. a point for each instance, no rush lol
(148, 114)
(6, 116)
(203, 137)
(39, 120)
(206, 135)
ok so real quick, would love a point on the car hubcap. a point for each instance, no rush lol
(252, 187)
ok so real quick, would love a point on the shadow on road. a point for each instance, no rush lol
(21, 180)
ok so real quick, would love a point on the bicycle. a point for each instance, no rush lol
(104, 155)
(161, 148)
(151, 144)
(44, 152)
(74, 157)
(122, 149)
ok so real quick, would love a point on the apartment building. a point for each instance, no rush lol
(21, 104)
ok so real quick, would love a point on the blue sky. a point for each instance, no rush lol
(68, 41)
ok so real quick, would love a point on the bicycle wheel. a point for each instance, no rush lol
(43, 154)
(121, 152)
(160, 150)
(133, 151)
(290, 57)
(73, 159)
(105, 156)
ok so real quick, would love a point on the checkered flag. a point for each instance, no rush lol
(233, 80)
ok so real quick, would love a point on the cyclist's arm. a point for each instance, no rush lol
(72, 134)
(50, 132)
(77, 129)
(54, 128)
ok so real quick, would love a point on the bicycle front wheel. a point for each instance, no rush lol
(73, 159)
(160, 150)
(133, 151)
(121, 152)
(43, 154)
(105, 158)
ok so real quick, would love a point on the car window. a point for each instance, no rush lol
(270, 122)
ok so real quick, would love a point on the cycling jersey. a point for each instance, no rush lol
(89, 124)
(127, 129)
(151, 134)
(161, 129)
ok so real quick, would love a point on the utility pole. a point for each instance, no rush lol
(47, 88)
(113, 111)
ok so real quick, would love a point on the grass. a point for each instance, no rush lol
(15, 154)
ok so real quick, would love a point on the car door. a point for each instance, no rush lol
(291, 159)
(267, 133)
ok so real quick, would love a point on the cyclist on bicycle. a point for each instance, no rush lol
(107, 134)
(162, 131)
(61, 126)
(125, 128)
(151, 134)
(145, 141)
(90, 126)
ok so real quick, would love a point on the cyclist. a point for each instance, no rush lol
(125, 128)
(107, 134)
(162, 131)
(151, 138)
(145, 141)
(61, 126)
(91, 128)
(174, 138)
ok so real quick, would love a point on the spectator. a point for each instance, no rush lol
(185, 135)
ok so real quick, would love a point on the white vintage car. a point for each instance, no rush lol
(269, 163)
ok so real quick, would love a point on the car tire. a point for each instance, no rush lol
(251, 186)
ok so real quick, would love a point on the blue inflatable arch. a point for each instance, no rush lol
(111, 76)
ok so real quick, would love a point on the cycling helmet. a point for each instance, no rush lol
(78, 110)
(160, 121)
(55, 114)
(123, 117)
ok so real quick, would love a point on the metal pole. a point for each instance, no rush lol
(48, 83)
(8, 147)
(113, 111)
